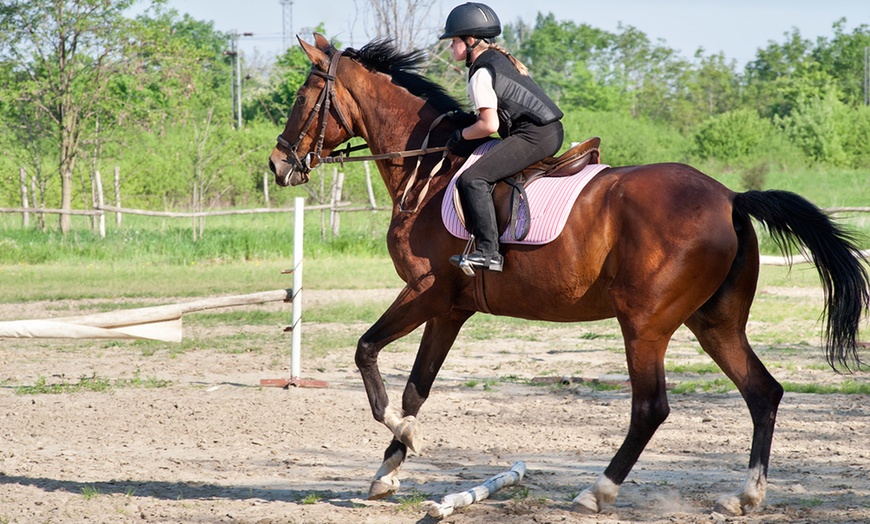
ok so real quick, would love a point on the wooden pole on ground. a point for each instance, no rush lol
(476, 494)
(154, 323)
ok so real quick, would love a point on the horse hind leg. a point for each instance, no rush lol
(438, 338)
(761, 392)
(720, 326)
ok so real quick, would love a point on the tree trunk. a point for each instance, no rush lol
(68, 146)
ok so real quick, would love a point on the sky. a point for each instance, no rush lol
(735, 27)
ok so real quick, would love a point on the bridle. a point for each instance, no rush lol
(326, 100)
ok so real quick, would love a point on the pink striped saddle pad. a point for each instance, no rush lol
(550, 200)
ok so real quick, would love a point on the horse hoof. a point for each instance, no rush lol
(583, 510)
(585, 503)
(381, 489)
(407, 431)
(730, 506)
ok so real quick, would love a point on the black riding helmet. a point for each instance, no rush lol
(472, 19)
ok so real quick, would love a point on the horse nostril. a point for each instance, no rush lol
(272, 167)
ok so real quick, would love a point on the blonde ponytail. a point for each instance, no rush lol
(514, 60)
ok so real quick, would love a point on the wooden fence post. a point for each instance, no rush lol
(321, 199)
(118, 216)
(369, 188)
(336, 198)
(101, 216)
(195, 209)
(266, 188)
(41, 205)
(22, 173)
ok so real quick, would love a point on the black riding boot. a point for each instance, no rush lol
(480, 220)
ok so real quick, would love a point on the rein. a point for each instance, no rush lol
(327, 99)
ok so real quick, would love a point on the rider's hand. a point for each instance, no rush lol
(453, 143)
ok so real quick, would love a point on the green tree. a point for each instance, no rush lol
(842, 59)
(714, 85)
(66, 68)
(783, 73)
(94, 79)
(557, 52)
(288, 75)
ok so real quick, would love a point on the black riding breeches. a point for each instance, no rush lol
(527, 144)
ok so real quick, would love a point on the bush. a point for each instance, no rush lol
(625, 140)
(856, 140)
(819, 126)
(743, 138)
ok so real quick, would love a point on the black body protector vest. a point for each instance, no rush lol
(519, 97)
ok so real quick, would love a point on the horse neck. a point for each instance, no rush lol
(393, 120)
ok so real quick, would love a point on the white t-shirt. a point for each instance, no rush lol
(480, 90)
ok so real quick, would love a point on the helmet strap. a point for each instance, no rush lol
(469, 49)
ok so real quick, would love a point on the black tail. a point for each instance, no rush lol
(792, 221)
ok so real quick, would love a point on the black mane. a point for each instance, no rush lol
(382, 56)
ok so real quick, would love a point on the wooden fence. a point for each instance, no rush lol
(334, 207)
(100, 208)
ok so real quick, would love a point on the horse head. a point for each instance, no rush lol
(317, 123)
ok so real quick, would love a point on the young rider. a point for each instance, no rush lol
(508, 101)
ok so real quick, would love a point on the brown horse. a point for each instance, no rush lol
(656, 246)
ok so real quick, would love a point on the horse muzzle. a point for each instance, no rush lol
(287, 173)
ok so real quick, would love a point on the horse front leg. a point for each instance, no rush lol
(438, 338)
(410, 309)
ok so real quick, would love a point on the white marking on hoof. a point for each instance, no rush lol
(585, 503)
(383, 487)
(392, 417)
(594, 498)
(729, 505)
(745, 499)
(386, 481)
(407, 432)
(404, 428)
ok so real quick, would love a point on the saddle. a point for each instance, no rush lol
(510, 194)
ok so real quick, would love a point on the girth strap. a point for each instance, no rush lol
(480, 292)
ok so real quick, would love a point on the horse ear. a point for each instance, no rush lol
(317, 57)
(322, 43)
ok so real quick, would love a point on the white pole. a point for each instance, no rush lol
(266, 189)
(369, 188)
(118, 216)
(101, 218)
(336, 217)
(295, 349)
(22, 173)
(477, 493)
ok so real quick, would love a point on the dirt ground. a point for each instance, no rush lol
(215, 447)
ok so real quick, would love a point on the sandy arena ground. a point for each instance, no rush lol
(216, 447)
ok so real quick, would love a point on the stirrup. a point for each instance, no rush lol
(464, 265)
(468, 262)
(461, 262)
